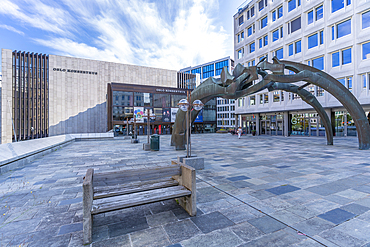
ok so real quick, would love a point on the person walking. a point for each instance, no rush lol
(239, 131)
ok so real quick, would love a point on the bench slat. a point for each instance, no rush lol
(122, 189)
(126, 176)
(136, 199)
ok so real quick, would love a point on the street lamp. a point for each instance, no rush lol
(148, 116)
(185, 106)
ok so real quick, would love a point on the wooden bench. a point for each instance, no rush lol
(105, 192)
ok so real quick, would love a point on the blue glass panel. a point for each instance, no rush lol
(275, 35)
(290, 49)
(332, 33)
(279, 53)
(252, 47)
(335, 59)
(318, 63)
(310, 17)
(347, 56)
(366, 20)
(242, 35)
(349, 82)
(366, 51)
(298, 47)
(319, 13)
(344, 28)
(348, 2)
(336, 5)
(364, 81)
(250, 31)
(281, 32)
(321, 37)
(265, 40)
(312, 41)
(264, 22)
(260, 42)
(274, 16)
(280, 12)
(291, 5)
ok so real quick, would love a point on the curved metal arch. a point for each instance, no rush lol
(334, 87)
(312, 101)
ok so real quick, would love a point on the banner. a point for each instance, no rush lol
(166, 115)
(173, 114)
(138, 114)
(199, 118)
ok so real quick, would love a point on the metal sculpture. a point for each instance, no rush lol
(240, 84)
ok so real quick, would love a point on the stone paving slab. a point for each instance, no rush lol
(254, 191)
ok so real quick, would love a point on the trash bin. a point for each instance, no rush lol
(154, 142)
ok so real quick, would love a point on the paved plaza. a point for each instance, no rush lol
(254, 191)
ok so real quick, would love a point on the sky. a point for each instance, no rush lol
(169, 34)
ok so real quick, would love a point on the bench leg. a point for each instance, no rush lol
(88, 195)
(87, 229)
(188, 180)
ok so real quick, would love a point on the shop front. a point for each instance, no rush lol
(128, 106)
(272, 124)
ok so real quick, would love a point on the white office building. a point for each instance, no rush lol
(331, 35)
(225, 107)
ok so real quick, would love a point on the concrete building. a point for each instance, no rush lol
(46, 95)
(225, 107)
(331, 35)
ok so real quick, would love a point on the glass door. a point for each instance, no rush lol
(313, 127)
(279, 128)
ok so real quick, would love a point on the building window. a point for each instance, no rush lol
(339, 4)
(196, 71)
(252, 11)
(310, 17)
(241, 53)
(277, 13)
(264, 22)
(252, 47)
(240, 37)
(251, 30)
(314, 39)
(366, 51)
(276, 96)
(263, 41)
(252, 100)
(251, 63)
(298, 46)
(346, 56)
(208, 71)
(347, 82)
(319, 11)
(290, 49)
(220, 66)
(261, 5)
(366, 20)
(343, 28)
(279, 53)
(335, 59)
(277, 34)
(317, 63)
(294, 25)
(265, 98)
(280, 12)
(241, 20)
(292, 4)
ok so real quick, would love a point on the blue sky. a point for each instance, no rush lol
(170, 34)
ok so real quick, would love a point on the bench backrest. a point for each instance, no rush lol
(134, 175)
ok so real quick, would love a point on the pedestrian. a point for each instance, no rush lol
(239, 132)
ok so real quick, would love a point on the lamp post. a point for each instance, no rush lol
(186, 107)
(148, 116)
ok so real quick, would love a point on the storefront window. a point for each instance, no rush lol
(162, 100)
(122, 113)
(122, 98)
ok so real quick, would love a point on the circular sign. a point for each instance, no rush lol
(294, 120)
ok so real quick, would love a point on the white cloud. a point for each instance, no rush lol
(10, 28)
(167, 34)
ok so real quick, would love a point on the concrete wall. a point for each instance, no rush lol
(77, 101)
(6, 95)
